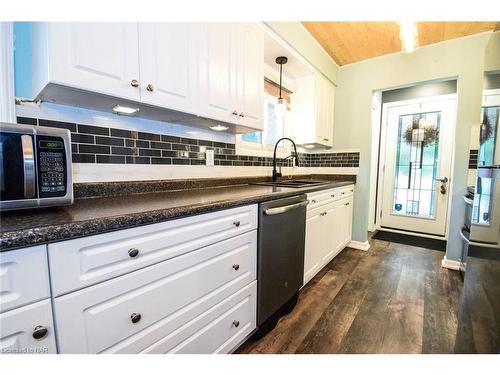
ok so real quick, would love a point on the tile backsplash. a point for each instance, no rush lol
(97, 144)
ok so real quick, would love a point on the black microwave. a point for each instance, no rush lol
(35, 167)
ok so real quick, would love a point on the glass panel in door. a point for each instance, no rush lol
(416, 165)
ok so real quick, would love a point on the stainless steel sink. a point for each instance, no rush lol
(292, 183)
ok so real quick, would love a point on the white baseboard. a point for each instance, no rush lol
(359, 245)
(450, 264)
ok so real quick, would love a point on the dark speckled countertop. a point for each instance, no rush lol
(89, 216)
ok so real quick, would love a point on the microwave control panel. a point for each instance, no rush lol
(51, 165)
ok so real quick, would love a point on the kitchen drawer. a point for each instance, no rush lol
(17, 328)
(319, 198)
(229, 324)
(90, 260)
(24, 277)
(95, 319)
(187, 330)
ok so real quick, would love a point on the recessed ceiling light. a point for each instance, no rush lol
(122, 110)
(219, 128)
(408, 34)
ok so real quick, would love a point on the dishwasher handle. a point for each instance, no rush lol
(283, 209)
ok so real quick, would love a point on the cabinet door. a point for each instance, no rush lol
(217, 72)
(324, 110)
(19, 329)
(315, 244)
(168, 62)
(332, 231)
(97, 56)
(250, 75)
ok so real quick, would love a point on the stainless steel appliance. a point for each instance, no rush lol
(35, 167)
(280, 264)
(479, 315)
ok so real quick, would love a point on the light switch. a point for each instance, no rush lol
(209, 158)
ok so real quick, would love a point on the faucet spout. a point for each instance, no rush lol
(277, 174)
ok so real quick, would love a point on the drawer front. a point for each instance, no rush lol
(345, 192)
(24, 277)
(228, 325)
(97, 318)
(17, 328)
(322, 197)
(83, 262)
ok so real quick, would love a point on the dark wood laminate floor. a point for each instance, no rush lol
(392, 298)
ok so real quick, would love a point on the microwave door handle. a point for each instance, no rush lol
(28, 165)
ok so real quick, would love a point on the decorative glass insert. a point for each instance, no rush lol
(416, 165)
(488, 134)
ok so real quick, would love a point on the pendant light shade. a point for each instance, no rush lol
(281, 105)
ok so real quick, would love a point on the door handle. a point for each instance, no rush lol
(443, 180)
(283, 209)
(28, 165)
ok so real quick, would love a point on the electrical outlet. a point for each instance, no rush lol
(209, 158)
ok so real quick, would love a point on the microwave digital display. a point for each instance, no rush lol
(51, 145)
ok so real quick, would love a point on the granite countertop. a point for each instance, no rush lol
(90, 216)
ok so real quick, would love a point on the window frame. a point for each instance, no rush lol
(262, 149)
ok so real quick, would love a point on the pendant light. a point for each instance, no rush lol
(281, 105)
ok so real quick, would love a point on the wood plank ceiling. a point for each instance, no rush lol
(349, 42)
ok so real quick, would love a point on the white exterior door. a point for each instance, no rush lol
(250, 47)
(418, 154)
(101, 57)
(217, 72)
(168, 65)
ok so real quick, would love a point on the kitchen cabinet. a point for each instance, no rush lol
(101, 57)
(28, 330)
(314, 100)
(328, 228)
(231, 73)
(179, 72)
(168, 65)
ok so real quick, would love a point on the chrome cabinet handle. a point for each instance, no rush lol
(135, 318)
(346, 204)
(235, 113)
(133, 252)
(39, 332)
(236, 223)
(150, 87)
(241, 114)
(134, 83)
(283, 209)
(333, 195)
(313, 201)
(236, 267)
(443, 180)
(28, 165)
(236, 323)
(343, 193)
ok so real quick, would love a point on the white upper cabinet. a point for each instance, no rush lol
(250, 75)
(314, 100)
(99, 57)
(177, 72)
(217, 72)
(167, 57)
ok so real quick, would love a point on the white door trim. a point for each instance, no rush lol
(382, 152)
(7, 98)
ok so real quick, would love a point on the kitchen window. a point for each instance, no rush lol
(275, 126)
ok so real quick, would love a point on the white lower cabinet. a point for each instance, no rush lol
(28, 329)
(201, 301)
(328, 228)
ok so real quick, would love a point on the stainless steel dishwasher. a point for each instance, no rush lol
(280, 267)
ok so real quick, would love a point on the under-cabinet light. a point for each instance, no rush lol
(122, 110)
(219, 128)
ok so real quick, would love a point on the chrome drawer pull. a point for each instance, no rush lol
(135, 317)
(39, 332)
(236, 223)
(333, 195)
(236, 267)
(346, 204)
(236, 323)
(313, 201)
(133, 252)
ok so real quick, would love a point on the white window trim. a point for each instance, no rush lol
(7, 99)
(254, 149)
